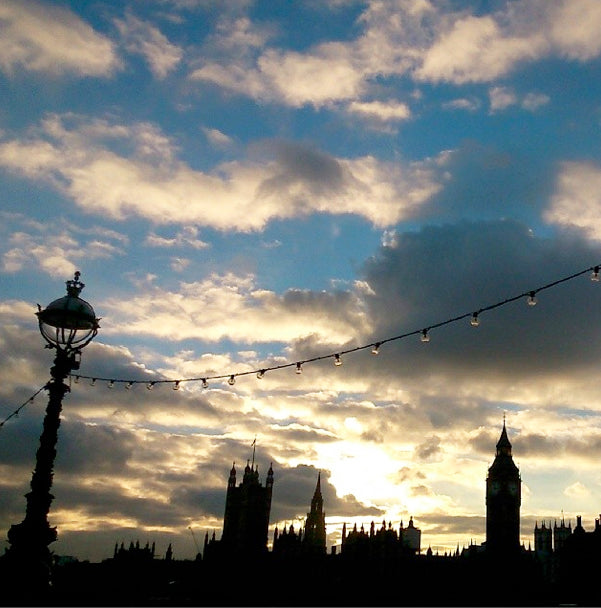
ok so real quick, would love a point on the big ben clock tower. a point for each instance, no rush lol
(503, 499)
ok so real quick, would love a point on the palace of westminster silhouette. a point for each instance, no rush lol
(379, 566)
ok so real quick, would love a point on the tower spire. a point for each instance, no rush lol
(314, 540)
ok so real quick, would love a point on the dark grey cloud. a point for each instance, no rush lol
(462, 525)
(486, 182)
(319, 173)
(408, 474)
(426, 277)
(429, 449)
(93, 450)
(532, 444)
(441, 272)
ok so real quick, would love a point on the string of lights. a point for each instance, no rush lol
(424, 332)
(24, 404)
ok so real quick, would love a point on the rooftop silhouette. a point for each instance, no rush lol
(374, 564)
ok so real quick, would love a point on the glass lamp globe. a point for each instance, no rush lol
(69, 323)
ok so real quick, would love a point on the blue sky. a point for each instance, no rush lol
(244, 185)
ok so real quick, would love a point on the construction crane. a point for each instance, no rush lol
(195, 541)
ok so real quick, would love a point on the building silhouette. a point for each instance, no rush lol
(247, 510)
(311, 540)
(503, 500)
(376, 565)
(314, 539)
(383, 543)
(561, 533)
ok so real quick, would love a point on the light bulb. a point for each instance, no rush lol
(176, 386)
(595, 274)
(260, 374)
(232, 380)
(425, 337)
(475, 321)
(111, 384)
(205, 384)
(150, 386)
(299, 369)
(337, 360)
(532, 298)
(375, 349)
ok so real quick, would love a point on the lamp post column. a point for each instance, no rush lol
(29, 540)
(68, 325)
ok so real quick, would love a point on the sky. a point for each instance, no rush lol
(245, 185)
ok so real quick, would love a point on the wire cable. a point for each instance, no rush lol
(24, 404)
(473, 314)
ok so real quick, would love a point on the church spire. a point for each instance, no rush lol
(315, 526)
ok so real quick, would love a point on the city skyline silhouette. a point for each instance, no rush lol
(325, 220)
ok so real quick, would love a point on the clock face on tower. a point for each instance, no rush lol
(495, 486)
(512, 486)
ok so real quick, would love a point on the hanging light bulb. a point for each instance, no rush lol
(205, 384)
(260, 374)
(150, 386)
(129, 385)
(532, 298)
(375, 349)
(299, 369)
(425, 337)
(337, 360)
(474, 321)
(176, 385)
(111, 384)
(232, 380)
(595, 274)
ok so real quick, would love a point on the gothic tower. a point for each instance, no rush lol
(543, 544)
(314, 541)
(247, 510)
(503, 499)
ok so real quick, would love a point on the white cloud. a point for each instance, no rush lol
(234, 307)
(501, 98)
(384, 111)
(462, 103)
(145, 39)
(241, 195)
(574, 28)
(240, 34)
(179, 264)
(54, 256)
(216, 137)
(57, 248)
(576, 201)
(577, 490)
(53, 40)
(422, 39)
(186, 237)
(474, 50)
(533, 101)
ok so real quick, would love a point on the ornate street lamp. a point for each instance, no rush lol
(68, 325)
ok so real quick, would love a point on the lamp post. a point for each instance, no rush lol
(68, 325)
